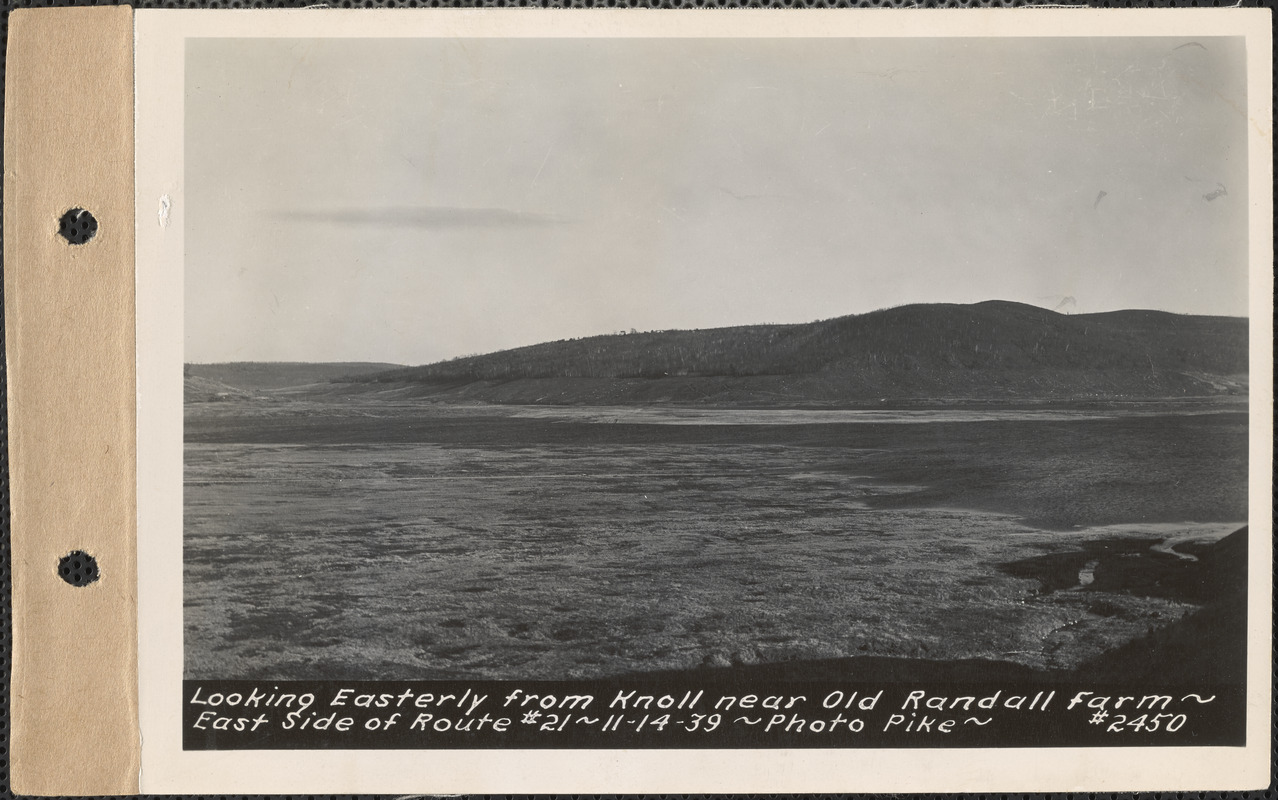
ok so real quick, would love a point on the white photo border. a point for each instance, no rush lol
(160, 37)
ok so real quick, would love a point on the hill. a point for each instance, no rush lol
(990, 350)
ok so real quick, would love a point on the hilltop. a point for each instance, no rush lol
(993, 350)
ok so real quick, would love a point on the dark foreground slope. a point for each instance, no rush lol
(1206, 648)
(987, 350)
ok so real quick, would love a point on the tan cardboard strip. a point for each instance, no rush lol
(70, 346)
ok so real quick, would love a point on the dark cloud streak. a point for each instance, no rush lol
(424, 217)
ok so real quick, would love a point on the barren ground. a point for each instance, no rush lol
(405, 541)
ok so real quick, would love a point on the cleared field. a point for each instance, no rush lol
(411, 542)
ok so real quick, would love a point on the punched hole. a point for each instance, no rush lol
(77, 226)
(78, 568)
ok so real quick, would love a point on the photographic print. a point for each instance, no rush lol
(891, 390)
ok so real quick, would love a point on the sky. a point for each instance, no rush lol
(412, 200)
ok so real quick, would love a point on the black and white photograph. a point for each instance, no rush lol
(512, 359)
(900, 362)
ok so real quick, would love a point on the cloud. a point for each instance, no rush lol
(424, 217)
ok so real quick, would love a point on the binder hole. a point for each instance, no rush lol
(78, 568)
(77, 226)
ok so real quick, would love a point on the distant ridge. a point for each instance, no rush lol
(994, 349)
(244, 378)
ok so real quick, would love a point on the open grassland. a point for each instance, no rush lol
(385, 540)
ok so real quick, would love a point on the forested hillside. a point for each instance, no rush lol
(993, 349)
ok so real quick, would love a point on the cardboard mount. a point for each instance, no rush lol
(69, 336)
